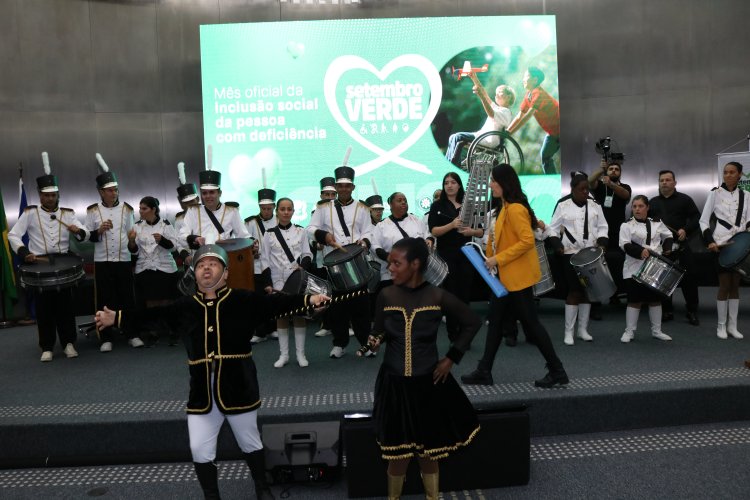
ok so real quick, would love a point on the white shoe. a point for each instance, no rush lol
(323, 333)
(569, 338)
(351, 332)
(370, 354)
(135, 342)
(337, 352)
(70, 351)
(302, 360)
(105, 347)
(627, 337)
(721, 331)
(660, 336)
(257, 340)
(46, 356)
(281, 361)
(585, 336)
(274, 334)
(735, 334)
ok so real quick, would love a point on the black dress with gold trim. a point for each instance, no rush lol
(412, 415)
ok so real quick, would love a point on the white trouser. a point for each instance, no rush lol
(204, 432)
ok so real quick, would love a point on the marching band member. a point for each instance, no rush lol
(327, 193)
(49, 228)
(285, 249)
(340, 222)
(187, 195)
(400, 224)
(725, 214)
(223, 381)
(513, 252)
(419, 411)
(109, 223)
(450, 235)
(151, 240)
(375, 204)
(639, 238)
(258, 225)
(577, 222)
(212, 221)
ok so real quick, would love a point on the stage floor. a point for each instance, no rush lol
(614, 386)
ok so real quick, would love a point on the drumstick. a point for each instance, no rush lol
(54, 217)
(334, 300)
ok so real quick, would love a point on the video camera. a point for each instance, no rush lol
(609, 151)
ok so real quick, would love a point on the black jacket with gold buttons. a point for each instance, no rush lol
(216, 333)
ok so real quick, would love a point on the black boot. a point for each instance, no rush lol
(480, 376)
(256, 461)
(208, 477)
(555, 376)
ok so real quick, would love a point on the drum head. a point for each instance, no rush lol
(235, 244)
(733, 254)
(586, 256)
(53, 264)
(342, 255)
(293, 283)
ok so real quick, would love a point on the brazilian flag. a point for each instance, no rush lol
(8, 284)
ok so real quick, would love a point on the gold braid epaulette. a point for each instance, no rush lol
(304, 309)
(212, 357)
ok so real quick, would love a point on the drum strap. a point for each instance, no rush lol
(738, 219)
(214, 221)
(648, 232)
(282, 241)
(586, 222)
(340, 212)
(403, 233)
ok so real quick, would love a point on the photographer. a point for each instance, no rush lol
(613, 196)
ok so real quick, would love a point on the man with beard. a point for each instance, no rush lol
(680, 214)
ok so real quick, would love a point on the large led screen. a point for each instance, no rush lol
(283, 101)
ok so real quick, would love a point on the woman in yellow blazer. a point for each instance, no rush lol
(513, 252)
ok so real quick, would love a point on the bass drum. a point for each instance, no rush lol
(735, 254)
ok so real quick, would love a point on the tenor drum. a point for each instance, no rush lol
(301, 282)
(348, 268)
(52, 272)
(593, 273)
(186, 285)
(241, 267)
(659, 274)
(437, 269)
(735, 255)
(545, 283)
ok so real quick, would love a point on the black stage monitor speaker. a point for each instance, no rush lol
(498, 456)
(306, 451)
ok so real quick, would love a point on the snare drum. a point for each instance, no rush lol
(546, 283)
(660, 274)
(735, 255)
(348, 268)
(593, 273)
(52, 272)
(437, 269)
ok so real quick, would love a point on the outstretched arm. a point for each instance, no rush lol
(480, 91)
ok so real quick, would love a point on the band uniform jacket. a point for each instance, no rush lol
(568, 222)
(636, 235)
(326, 220)
(216, 333)
(197, 223)
(257, 228)
(725, 214)
(46, 233)
(112, 245)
